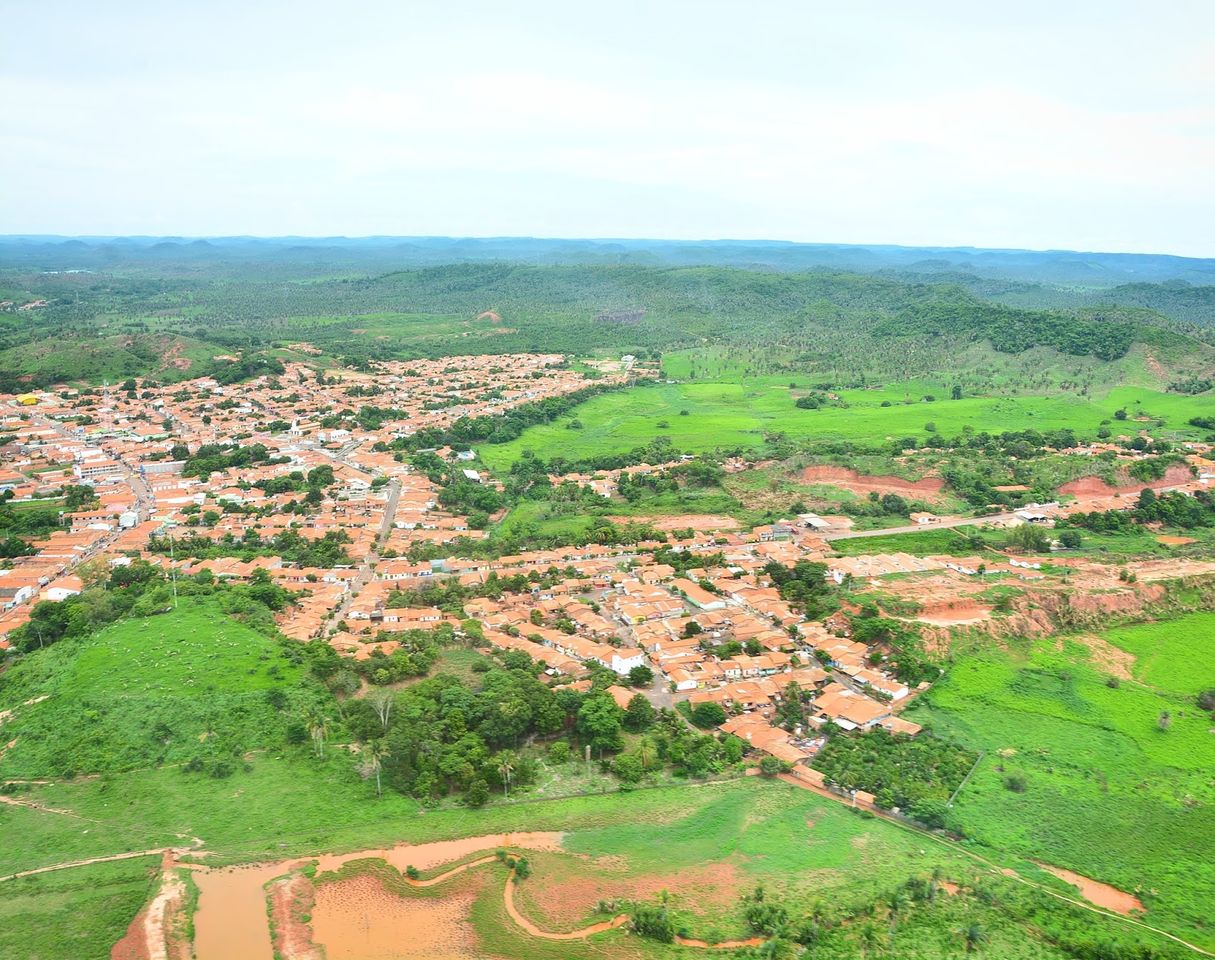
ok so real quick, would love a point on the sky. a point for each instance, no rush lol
(1077, 125)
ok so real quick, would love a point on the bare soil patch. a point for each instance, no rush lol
(292, 899)
(570, 891)
(954, 613)
(1174, 541)
(697, 521)
(853, 482)
(1095, 892)
(156, 933)
(1107, 657)
(1089, 487)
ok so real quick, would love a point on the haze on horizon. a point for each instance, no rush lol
(1087, 126)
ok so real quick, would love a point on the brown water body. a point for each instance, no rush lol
(1095, 892)
(357, 919)
(423, 856)
(231, 924)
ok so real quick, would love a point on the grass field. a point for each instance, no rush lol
(166, 687)
(708, 845)
(1177, 655)
(1107, 792)
(740, 412)
(75, 914)
(919, 543)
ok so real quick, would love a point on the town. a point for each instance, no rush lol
(298, 458)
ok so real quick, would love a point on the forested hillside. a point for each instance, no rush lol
(170, 324)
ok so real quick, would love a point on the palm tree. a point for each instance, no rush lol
(376, 751)
(318, 727)
(506, 768)
(647, 753)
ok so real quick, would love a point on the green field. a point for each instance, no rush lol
(804, 849)
(188, 682)
(1177, 655)
(740, 412)
(75, 914)
(1107, 792)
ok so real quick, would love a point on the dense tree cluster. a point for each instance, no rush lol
(1173, 509)
(804, 586)
(915, 774)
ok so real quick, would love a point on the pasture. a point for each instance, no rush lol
(76, 914)
(1081, 768)
(740, 412)
(190, 682)
(709, 845)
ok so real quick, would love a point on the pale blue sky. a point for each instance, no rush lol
(1081, 125)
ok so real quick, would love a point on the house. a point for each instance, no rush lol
(63, 588)
(697, 595)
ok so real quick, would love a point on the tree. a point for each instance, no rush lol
(477, 793)
(641, 676)
(708, 714)
(973, 936)
(639, 714)
(374, 754)
(599, 721)
(1069, 539)
(769, 765)
(647, 752)
(506, 769)
(318, 727)
(628, 768)
(381, 701)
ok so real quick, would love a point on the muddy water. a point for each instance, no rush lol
(427, 855)
(1095, 892)
(357, 919)
(230, 923)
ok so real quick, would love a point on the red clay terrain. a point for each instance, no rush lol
(859, 483)
(1087, 487)
(292, 898)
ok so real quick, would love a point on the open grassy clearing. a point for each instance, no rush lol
(165, 688)
(739, 413)
(724, 839)
(1176, 655)
(74, 914)
(1078, 771)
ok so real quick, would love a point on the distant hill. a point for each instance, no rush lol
(1091, 270)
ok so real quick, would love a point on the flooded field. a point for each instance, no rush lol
(231, 920)
(357, 919)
